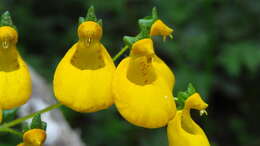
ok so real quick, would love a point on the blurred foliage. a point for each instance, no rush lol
(216, 47)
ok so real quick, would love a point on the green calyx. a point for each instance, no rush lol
(6, 20)
(183, 95)
(145, 25)
(9, 115)
(36, 123)
(91, 16)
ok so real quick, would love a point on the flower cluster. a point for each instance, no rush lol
(87, 80)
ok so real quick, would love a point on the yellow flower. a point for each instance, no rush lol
(15, 82)
(82, 80)
(33, 137)
(182, 130)
(160, 29)
(142, 87)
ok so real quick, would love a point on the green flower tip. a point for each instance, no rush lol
(6, 20)
(91, 16)
(37, 123)
(145, 25)
(183, 95)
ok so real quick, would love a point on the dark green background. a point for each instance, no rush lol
(216, 46)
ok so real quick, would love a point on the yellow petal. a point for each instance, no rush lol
(183, 131)
(15, 81)
(82, 80)
(34, 137)
(160, 29)
(141, 93)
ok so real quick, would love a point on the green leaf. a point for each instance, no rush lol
(240, 54)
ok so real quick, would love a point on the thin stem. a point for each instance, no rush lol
(121, 52)
(20, 120)
(6, 127)
(12, 131)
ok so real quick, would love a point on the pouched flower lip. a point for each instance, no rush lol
(141, 93)
(82, 80)
(34, 137)
(15, 81)
(182, 130)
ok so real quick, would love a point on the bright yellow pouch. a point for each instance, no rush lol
(182, 130)
(82, 80)
(15, 81)
(142, 87)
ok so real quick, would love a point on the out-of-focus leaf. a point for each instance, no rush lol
(242, 54)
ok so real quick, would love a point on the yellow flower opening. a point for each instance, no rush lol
(182, 130)
(33, 137)
(160, 29)
(15, 81)
(82, 80)
(142, 87)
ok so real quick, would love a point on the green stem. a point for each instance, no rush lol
(12, 131)
(6, 127)
(121, 52)
(20, 120)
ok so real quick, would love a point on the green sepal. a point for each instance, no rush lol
(100, 22)
(148, 21)
(6, 20)
(37, 123)
(9, 115)
(44, 126)
(91, 16)
(81, 20)
(128, 40)
(183, 95)
(145, 25)
(25, 127)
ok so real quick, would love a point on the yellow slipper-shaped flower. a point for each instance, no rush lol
(182, 130)
(153, 26)
(142, 94)
(33, 137)
(82, 80)
(15, 81)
